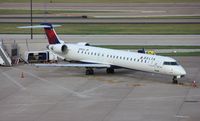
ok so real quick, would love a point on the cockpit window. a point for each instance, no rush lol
(170, 63)
(174, 63)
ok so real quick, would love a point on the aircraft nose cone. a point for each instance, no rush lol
(183, 72)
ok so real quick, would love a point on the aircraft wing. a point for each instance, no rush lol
(74, 65)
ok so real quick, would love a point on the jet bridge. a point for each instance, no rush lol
(5, 57)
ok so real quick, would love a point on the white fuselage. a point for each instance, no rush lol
(107, 58)
(124, 59)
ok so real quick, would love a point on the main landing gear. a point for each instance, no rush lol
(110, 70)
(175, 80)
(90, 71)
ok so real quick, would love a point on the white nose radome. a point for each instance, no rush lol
(179, 71)
(182, 71)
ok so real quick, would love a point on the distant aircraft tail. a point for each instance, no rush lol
(50, 32)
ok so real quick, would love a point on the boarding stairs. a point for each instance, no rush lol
(4, 56)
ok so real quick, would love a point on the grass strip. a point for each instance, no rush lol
(180, 54)
(110, 29)
(147, 47)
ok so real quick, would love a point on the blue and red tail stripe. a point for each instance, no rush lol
(51, 34)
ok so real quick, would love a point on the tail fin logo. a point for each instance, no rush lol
(51, 34)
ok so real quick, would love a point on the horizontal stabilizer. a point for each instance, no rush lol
(38, 26)
(49, 30)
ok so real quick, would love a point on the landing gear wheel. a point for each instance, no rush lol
(110, 70)
(89, 71)
(175, 81)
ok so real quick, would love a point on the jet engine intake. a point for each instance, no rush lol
(58, 48)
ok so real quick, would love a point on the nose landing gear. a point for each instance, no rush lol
(175, 80)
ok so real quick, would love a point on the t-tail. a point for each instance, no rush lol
(51, 34)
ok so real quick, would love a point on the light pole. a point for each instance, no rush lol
(31, 19)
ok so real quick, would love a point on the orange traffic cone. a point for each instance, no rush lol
(22, 75)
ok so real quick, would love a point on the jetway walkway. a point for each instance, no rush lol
(5, 57)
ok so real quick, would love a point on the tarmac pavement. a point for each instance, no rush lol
(66, 94)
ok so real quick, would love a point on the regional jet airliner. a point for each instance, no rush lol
(90, 57)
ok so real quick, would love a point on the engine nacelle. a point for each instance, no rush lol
(58, 48)
(83, 43)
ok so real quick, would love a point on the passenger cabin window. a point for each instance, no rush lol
(170, 63)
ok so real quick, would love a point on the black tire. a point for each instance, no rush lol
(89, 71)
(110, 70)
(175, 81)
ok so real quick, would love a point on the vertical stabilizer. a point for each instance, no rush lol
(51, 34)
